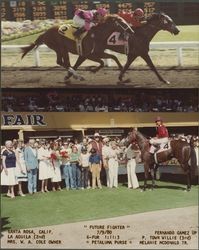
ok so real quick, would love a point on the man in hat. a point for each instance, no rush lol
(161, 138)
(97, 144)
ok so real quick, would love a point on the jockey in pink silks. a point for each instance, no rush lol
(86, 19)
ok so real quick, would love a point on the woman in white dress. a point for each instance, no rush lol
(8, 174)
(21, 171)
(56, 166)
(44, 166)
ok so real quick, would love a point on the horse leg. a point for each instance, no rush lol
(146, 176)
(153, 178)
(156, 172)
(114, 58)
(188, 180)
(62, 61)
(148, 60)
(95, 69)
(130, 59)
(95, 57)
(79, 61)
(59, 59)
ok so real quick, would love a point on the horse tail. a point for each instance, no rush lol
(193, 160)
(35, 45)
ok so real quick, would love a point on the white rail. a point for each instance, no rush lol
(178, 46)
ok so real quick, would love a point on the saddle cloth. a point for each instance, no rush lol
(166, 147)
(68, 30)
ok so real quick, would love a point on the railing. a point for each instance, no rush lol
(178, 46)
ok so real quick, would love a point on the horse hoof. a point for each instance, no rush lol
(167, 82)
(94, 70)
(120, 78)
(82, 78)
(128, 80)
(120, 83)
(75, 77)
(66, 78)
(67, 81)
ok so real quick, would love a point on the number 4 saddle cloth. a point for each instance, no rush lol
(115, 40)
(68, 30)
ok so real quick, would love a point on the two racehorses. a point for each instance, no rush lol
(95, 43)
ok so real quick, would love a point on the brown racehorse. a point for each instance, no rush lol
(95, 40)
(181, 150)
(138, 43)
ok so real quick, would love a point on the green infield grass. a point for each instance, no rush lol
(187, 33)
(61, 207)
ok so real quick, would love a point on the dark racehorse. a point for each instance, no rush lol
(95, 40)
(138, 43)
(181, 150)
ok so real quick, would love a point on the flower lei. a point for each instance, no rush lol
(64, 154)
(53, 157)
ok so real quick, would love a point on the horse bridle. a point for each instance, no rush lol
(160, 24)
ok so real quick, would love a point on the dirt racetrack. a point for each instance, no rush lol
(140, 77)
(164, 229)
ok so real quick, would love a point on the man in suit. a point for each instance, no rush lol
(31, 161)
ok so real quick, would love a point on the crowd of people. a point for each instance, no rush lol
(60, 102)
(66, 163)
(82, 165)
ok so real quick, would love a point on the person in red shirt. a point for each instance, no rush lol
(135, 18)
(162, 136)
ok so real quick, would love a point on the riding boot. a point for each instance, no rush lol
(78, 32)
(157, 147)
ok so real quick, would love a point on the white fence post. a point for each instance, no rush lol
(179, 53)
(37, 57)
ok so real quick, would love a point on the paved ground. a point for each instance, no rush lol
(165, 229)
(140, 77)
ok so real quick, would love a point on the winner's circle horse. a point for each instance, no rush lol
(179, 149)
(95, 40)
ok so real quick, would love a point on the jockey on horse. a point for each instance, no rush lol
(161, 138)
(86, 19)
(135, 18)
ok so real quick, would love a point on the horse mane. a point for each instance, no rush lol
(156, 15)
(112, 17)
(141, 135)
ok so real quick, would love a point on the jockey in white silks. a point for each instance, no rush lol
(161, 138)
(86, 19)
